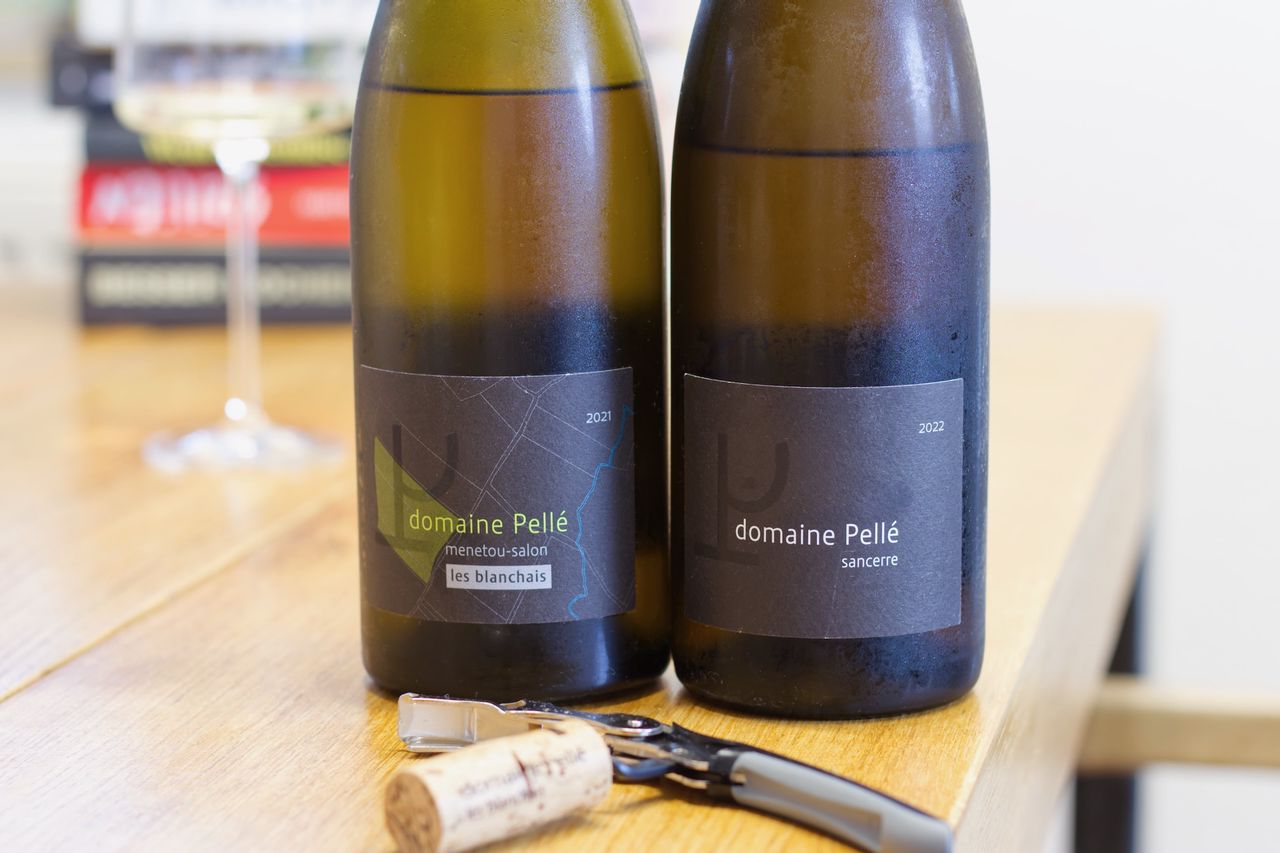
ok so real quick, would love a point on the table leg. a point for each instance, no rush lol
(1106, 805)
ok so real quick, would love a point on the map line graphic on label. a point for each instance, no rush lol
(595, 481)
(478, 486)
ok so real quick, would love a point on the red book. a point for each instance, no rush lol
(138, 204)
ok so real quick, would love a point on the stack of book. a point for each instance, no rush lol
(152, 215)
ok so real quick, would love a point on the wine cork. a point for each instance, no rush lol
(498, 789)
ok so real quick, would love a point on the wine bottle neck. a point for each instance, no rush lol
(504, 45)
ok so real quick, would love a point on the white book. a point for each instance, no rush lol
(100, 23)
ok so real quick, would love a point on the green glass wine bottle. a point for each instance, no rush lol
(830, 256)
(507, 284)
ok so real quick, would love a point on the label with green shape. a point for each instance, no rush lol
(498, 500)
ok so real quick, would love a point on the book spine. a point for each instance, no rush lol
(169, 206)
(297, 285)
(78, 77)
(106, 140)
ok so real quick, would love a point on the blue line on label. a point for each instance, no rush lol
(595, 481)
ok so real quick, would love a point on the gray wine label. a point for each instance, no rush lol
(497, 499)
(823, 512)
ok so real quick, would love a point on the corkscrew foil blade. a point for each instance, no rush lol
(430, 724)
(439, 724)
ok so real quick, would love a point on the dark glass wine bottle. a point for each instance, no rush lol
(830, 256)
(507, 264)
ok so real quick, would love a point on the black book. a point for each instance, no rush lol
(79, 77)
(303, 285)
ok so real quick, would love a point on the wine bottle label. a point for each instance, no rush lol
(823, 512)
(498, 499)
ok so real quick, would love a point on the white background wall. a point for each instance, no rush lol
(1136, 158)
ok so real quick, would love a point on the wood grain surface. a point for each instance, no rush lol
(181, 656)
(91, 537)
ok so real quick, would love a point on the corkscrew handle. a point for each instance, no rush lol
(864, 818)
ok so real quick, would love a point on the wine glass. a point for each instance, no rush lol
(238, 75)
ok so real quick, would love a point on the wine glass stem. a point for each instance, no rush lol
(239, 161)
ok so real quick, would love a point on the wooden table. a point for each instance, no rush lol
(180, 661)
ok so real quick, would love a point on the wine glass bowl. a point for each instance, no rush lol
(238, 76)
(232, 93)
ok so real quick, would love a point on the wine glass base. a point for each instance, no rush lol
(232, 445)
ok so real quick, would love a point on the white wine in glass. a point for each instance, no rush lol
(238, 76)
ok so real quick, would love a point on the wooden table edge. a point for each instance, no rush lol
(1033, 756)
